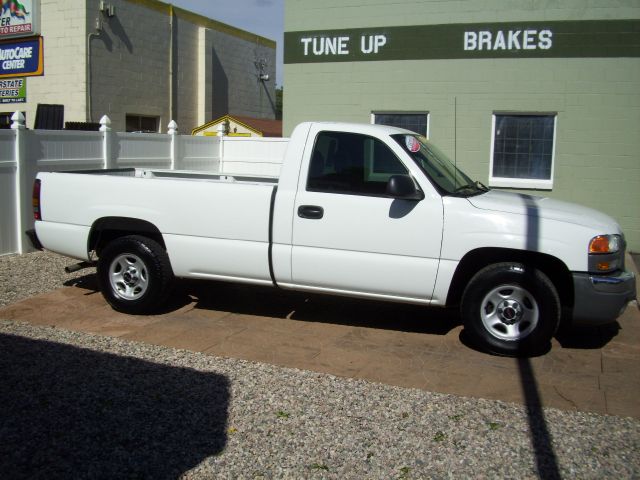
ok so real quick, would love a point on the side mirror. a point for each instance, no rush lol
(404, 188)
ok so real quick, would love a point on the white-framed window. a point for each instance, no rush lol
(142, 123)
(522, 150)
(415, 121)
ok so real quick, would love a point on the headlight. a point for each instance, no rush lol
(605, 244)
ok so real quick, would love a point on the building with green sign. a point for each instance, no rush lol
(540, 98)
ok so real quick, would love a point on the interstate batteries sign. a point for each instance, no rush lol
(607, 38)
(19, 18)
(13, 91)
(21, 59)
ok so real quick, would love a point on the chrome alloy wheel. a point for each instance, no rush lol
(128, 276)
(509, 312)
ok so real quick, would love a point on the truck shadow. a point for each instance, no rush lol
(276, 303)
(316, 308)
(70, 412)
(270, 302)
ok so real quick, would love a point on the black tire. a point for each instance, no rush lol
(134, 274)
(511, 309)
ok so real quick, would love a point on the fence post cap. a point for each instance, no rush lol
(173, 128)
(18, 121)
(105, 124)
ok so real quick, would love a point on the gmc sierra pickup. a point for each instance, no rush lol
(360, 210)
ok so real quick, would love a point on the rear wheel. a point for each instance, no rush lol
(511, 309)
(134, 274)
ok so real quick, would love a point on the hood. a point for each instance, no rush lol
(544, 207)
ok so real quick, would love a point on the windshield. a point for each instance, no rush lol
(436, 165)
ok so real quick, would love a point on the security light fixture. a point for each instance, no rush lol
(261, 66)
(108, 9)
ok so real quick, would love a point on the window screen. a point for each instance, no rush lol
(416, 122)
(352, 163)
(523, 146)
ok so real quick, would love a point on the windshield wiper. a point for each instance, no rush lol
(474, 188)
(481, 186)
(466, 186)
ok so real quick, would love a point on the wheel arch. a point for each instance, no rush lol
(106, 229)
(477, 259)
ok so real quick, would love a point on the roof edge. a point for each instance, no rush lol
(206, 22)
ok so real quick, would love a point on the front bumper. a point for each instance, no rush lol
(600, 299)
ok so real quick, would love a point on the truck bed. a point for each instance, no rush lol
(214, 226)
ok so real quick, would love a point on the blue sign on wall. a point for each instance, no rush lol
(21, 59)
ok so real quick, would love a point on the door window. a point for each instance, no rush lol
(352, 163)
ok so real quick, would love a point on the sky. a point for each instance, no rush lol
(264, 17)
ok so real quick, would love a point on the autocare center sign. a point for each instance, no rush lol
(21, 59)
(21, 47)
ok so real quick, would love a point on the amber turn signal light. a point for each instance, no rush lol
(599, 244)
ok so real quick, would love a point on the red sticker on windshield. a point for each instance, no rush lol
(413, 145)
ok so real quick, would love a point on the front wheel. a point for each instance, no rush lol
(134, 274)
(511, 309)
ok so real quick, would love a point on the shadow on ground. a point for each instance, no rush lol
(588, 337)
(323, 308)
(305, 307)
(75, 413)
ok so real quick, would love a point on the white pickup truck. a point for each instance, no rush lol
(359, 210)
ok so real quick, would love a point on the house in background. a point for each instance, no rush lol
(241, 126)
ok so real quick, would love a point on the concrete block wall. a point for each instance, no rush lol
(597, 155)
(186, 58)
(213, 66)
(64, 32)
(236, 87)
(130, 63)
(205, 78)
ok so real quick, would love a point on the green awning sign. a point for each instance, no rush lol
(536, 39)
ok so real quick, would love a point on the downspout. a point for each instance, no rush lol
(171, 113)
(88, 74)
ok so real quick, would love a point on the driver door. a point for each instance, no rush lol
(350, 237)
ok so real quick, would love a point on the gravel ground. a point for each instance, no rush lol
(80, 405)
(22, 276)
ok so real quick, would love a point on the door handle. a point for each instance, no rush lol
(312, 212)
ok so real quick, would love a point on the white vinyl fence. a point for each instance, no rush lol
(23, 153)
